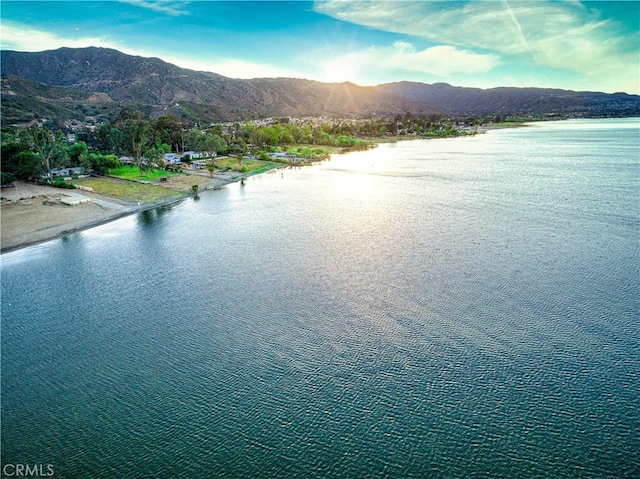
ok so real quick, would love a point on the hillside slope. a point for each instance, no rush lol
(114, 79)
(533, 101)
(151, 81)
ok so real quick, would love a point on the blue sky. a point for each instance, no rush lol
(575, 45)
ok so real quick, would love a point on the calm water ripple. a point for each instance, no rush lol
(428, 309)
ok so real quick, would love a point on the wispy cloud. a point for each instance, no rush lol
(559, 35)
(14, 36)
(499, 26)
(439, 61)
(477, 43)
(173, 8)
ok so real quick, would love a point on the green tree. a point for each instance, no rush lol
(168, 130)
(17, 160)
(88, 136)
(137, 136)
(210, 144)
(154, 158)
(49, 147)
(249, 132)
(76, 151)
(109, 138)
(98, 163)
(23, 165)
(191, 139)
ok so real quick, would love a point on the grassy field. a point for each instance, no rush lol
(128, 172)
(128, 190)
(251, 165)
(312, 152)
(264, 166)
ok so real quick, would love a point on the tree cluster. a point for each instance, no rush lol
(34, 152)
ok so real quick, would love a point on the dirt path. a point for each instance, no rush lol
(31, 213)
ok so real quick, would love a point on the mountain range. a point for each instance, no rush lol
(97, 82)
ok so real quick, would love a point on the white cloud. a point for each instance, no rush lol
(562, 36)
(233, 67)
(23, 38)
(173, 8)
(492, 25)
(440, 61)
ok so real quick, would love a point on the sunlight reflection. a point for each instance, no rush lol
(30, 253)
(111, 229)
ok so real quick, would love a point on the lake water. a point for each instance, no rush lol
(450, 308)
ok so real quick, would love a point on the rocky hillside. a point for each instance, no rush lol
(151, 81)
(72, 82)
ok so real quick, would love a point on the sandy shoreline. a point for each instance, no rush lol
(32, 214)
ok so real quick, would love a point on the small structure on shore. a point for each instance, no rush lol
(68, 200)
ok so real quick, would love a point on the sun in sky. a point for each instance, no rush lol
(573, 45)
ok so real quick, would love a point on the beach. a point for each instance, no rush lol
(31, 213)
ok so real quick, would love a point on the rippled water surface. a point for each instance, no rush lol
(428, 309)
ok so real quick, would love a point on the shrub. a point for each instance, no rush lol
(57, 184)
(6, 178)
(63, 184)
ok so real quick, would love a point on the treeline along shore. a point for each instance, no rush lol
(61, 178)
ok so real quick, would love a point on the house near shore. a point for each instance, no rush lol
(191, 154)
(172, 159)
(285, 156)
(279, 155)
(63, 172)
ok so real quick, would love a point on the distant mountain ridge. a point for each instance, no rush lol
(514, 100)
(151, 81)
(112, 78)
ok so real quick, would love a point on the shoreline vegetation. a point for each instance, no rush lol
(39, 207)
